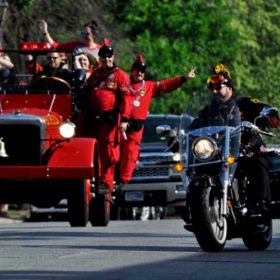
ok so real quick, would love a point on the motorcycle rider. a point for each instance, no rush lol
(256, 164)
(223, 108)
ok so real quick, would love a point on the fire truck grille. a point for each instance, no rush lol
(21, 143)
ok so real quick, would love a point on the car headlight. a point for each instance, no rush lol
(67, 130)
(176, 157)
(204, 149)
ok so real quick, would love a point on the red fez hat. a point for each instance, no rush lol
(139, 64)
(106, 50)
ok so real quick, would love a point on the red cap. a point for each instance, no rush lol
(106, 50)
(139, 64)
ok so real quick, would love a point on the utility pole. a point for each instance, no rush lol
(3, 9)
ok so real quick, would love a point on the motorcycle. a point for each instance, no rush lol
(212, 156)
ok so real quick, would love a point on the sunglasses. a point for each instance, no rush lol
(107, 55)
(217, 87)
(141, 69)
(84, 33)
(52, 57)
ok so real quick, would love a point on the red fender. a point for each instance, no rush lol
(76, 153)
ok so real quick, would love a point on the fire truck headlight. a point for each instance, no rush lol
(67, 130)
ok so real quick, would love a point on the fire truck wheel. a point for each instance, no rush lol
(99, 210)
(78, 206)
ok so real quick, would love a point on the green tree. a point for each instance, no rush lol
(173, 37)
(258, 65)
(22, 4)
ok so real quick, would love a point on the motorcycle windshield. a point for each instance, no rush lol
(225, 136)
(207, 112)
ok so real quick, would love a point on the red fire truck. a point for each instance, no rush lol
(41, 159)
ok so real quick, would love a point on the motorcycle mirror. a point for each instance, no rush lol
(267, 111)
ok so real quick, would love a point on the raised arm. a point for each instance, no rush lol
(43, 27)
(6, 62)
(191, 74)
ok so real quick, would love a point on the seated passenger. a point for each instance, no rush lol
(7, 70)
(53, 67)
(7, 77)
(87, 62)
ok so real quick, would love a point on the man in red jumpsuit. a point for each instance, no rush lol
(107, 108)
(142, 94)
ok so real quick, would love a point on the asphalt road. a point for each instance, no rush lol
(126, 250)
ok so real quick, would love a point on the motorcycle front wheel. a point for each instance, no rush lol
(210, 228)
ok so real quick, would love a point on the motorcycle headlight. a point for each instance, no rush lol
(67, 130)
(204, 149)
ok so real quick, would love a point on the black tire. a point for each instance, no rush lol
(258, 240)
(209, 228)
(38, 217)
(99, 210)
(115, 210)
(78, 206)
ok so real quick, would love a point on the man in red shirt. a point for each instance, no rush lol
(107, 108)
(142, 94)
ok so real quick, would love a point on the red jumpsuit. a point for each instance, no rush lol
(142, 94)
(109, 100)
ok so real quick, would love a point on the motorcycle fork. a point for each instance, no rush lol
(225, 174)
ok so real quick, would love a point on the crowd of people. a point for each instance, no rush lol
(114, 104)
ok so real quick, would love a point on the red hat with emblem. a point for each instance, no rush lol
(106, 50)
(139, 64)
(222, 76)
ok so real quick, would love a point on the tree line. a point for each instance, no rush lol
(172, 36)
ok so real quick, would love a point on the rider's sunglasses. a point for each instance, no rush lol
(217, 87)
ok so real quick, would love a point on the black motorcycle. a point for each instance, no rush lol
(212, 157)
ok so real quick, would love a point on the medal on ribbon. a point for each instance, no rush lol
(136, 103)
(138, 94)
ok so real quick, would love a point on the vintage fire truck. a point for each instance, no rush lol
(41, 159)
